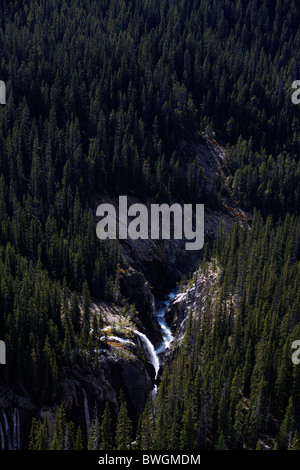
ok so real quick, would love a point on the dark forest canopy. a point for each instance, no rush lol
(101, 89)
(99, 93)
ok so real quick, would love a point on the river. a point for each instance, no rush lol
(155, 356)
(161, 309)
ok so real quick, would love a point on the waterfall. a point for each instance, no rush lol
(7, 431)
(165, 329)
(14, 433)
(86, 412)
(2, 437)
(16, 430)
(10, 434)
(149, 350)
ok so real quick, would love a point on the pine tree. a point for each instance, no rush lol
(221, 442)
(86, 311)
(295, 443)
(93, 438)
(188, 428)
(146, 428)
(78, 440)
(33, 433)
(124, 427)
(59, 429)
(69, 438)
(106, 439)
(284, 437)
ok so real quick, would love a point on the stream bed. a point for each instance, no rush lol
(161, 309)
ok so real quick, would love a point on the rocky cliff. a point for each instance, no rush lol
(121, 363)
(153, 269)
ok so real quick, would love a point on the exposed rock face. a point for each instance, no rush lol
(162, 262)
(155, 266)
(121, 366)
(104, 384)
(137, 290)
(191, 301)
(83, 390)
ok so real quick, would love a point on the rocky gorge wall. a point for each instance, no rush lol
(154, 268)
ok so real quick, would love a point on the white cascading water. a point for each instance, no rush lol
(7, 431)
(165, 329)
(149, 349)
(86, 412)
(152, 354)
(2, 437)
(166, 332)
(148, 346)
(10, 438)
(19, 431)
(16, 430)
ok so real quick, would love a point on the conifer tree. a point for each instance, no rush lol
(78, 440)
(106, 438)
(124, 427)
(284, 437)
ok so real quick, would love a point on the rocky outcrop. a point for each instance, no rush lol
(155, 266)
(122, 365)
(162, 262)
(114, 374)
(136, 289)
(191, 300)
(84, 389)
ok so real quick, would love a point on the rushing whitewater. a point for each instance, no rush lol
(10, 430)
(166, 331)
(86, 412)
(2, 437)
(149, 349)
(147, 345)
